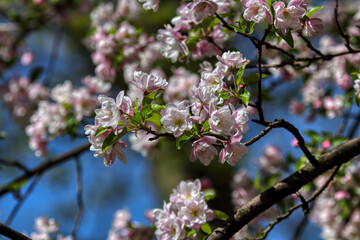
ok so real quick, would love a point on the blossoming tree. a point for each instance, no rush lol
(187, 83)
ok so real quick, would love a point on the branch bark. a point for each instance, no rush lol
(11, 233)
(291, 184)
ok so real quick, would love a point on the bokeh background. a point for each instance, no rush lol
(141, 184)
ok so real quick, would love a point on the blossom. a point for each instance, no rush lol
(150, 4)
(270, 161)
(184, 191)
(195, 212)
(201, 9)
(232, 152)
(313, 27)
(222, 121)
(232, 60)
(204, 150)
(213, 81)
(108, 115)
(257, 11)
(288, 17)
(175, 118)
(27, 58)
(148, 83)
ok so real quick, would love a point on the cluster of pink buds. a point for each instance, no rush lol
(187, 208)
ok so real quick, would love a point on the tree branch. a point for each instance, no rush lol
(11, 233)
(291, 184)
(48, 165)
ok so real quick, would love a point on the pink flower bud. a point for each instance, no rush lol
(326, 144)
(295, 143)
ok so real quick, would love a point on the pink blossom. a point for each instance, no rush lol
(148, 83)
(295, 143)
(109, 114)
(27, 58)
(204, 150)
(121, 219)
(344, 82)
(195, 212)
(270, 161)
(296, 107)
(126, 33)
(222, 121)
(313, 27)
(257, 11)
(173, 43)
(201, 9)
(45, 225)
(150, 4)
(105, 71)
(83, 103)
(213, 81)
(288, 17)
(204, 49)
(96, 85)
(341, 195)
(333, 106)
(128, 9)
(232, 60)
(184, 191)
(326, 144)
(141, 143)
(175, 118)
(232, 152)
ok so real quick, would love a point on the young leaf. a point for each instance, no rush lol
(180, 141)
(156, 107)
(205, 227)
(15, 185)
(109, 141)
(191, 233)
(100, 130)
(221, 215)
(209, 194)
(240, 73)
(192, 41)
(313, 10)
(155, 119)
(244, 97)
(254, 77)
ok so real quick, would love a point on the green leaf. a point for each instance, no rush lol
(191, 233)
(150, 97)
(257, 181)
(15, 185)
(254, 77)
(180, 141)
(313, 10)
(288, 38)
(145, 111)
(209, 194)
(100, 130)
(156, 107)
(221, 215)
(2, 134)
(112, 139)
(135, 105)
(192, 41)
(155, 119)
(205, 227)
(240, 73)
(244, 97)
(136, 119)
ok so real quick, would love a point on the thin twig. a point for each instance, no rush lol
(51, 68)
(14, 164)
(47, 165)
(291, 210)
(342, 34)
(281, 123)
(22, 199)
(79, 192)
(310, 46)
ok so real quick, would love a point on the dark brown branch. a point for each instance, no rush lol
(281, 123)
(339, 155)
(48, 165)
(11, 233)
(310, 46)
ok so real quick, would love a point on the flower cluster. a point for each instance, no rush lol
(70, 106)
(47, 229)
(123, 228)
(22, 96)
(337, 209)
(270, 161)
(187, 208)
